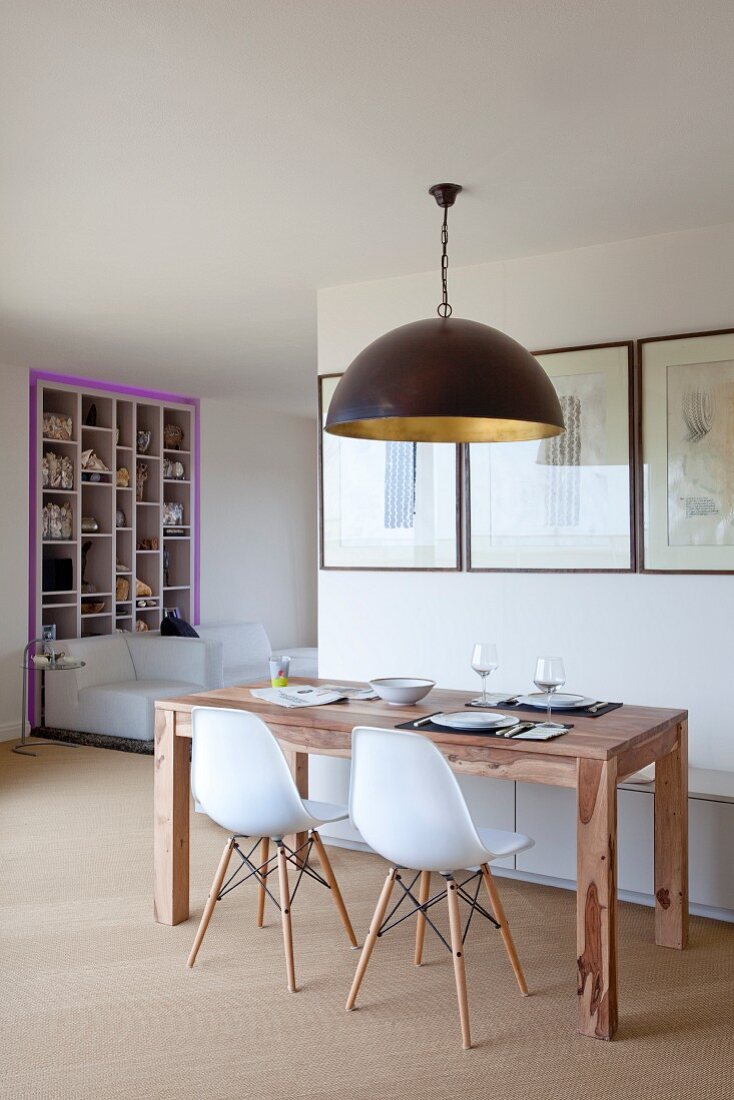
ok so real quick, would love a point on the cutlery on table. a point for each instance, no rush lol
(519, 728)
(596, 707)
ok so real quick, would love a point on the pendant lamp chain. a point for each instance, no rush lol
(445, 310)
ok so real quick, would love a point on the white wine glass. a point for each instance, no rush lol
(484, 660)
(549, 676)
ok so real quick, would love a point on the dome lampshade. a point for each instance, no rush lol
(445, 380)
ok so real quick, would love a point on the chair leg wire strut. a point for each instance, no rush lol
(265, 866)
(383, 922)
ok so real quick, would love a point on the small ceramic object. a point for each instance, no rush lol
(120, 518)
(143, 438)
(89, 525)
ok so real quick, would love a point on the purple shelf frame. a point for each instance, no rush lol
(162, 396)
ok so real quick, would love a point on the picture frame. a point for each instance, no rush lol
(685, 439)
(564, 504)
(386, 506)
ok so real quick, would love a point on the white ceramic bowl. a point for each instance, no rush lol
(401, 691)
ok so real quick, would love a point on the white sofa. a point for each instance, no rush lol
(124, 674)
(247, 650)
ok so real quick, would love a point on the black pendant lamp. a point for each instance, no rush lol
(445, 380)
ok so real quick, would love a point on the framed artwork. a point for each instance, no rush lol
(386, 505)
(686, 453)
(564, 504)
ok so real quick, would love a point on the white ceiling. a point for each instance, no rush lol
(178, 178)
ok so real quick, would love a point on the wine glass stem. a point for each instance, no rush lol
(484, 689)
(548, 716)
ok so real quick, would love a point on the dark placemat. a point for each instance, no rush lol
(584, 711)
(431, 727)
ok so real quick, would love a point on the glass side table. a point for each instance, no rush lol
(23, 747)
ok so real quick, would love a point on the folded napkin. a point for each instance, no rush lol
(303, 695)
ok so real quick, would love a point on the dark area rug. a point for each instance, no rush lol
(95, 740)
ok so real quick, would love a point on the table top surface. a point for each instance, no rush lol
(596, 738)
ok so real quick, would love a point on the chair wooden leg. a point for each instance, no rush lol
(211, 901)
(499, 913)
(424, 890)
(369, 943)
(457, 952)
(335, 891)
(285, 909)
(264, 856)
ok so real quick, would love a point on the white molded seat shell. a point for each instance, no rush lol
(408, 805)
(241, 779)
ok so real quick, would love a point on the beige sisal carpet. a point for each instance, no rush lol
(96, 1000)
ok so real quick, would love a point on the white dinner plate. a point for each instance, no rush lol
(539, 699)
(465, 720)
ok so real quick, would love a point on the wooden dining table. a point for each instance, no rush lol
(592, 757)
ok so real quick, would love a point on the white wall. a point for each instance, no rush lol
(258, 520)
(665, 640)
(13, 542)
(258, 537)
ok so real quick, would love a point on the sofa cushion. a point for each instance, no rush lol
(127, 709)
(108, 660)
(246, 651)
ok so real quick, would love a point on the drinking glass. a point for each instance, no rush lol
(484, 660)
(549, 676)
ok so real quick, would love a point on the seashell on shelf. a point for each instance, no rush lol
(56, 426)
(142, 589)
(92, 461)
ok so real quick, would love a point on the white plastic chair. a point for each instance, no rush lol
(407, 804)
(241, 779)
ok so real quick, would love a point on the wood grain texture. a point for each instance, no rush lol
(596, 898)
(589, 757)
(336, 893)
(170, 821)
(298, 764)
(498, 909)
(598, 738)
(457, 954)
(369, 944)
(264, 857)
(212, 899)
(671, 844)
(285, 912)
(424, 890)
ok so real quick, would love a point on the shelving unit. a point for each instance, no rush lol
(163, 562)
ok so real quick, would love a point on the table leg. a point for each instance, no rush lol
(671, 844)
(596, 897)
(298, 764)
(170, 821)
